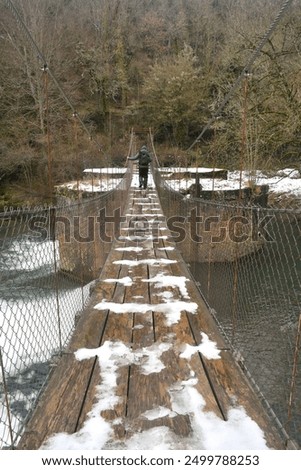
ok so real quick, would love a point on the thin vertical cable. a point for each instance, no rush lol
(294, 373)
(49, 150)
(6, 401)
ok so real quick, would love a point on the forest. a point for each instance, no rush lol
(160, 64)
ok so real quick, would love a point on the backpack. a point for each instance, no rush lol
(144, 159)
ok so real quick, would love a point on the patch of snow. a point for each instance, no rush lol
(102, 186)
(166, 295)
(158, 438)
(143, 238)
(106, 170)
(163, 280)
(146, 203)
(171, 310)
(159, 412)
(149, 262)
(150, 362)
(181, 169)
(287, 181)
(210, 431)
(126, 281)
(207, 348)
(134, 238)
(144, 214)
(137, 249)
(138, 327)
(167, 248)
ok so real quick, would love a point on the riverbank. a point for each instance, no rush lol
(284, 185)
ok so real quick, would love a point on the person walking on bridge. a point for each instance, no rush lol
(144, 160)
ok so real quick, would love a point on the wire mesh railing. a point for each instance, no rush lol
(246, 261)
(245, 258)
(49, 258)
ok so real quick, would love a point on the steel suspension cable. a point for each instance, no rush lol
(246, 70)
(47, 69)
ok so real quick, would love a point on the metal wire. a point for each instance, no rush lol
(49, 257)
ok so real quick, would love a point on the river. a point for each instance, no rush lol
(38, 308)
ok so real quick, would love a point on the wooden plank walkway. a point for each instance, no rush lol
(137, 360)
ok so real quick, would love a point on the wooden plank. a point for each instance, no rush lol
(234, 389)
(140, 388)
(204, 322)
(182, 330)
(152, 389)
(148, 392)
(119, 328)
(182, 334)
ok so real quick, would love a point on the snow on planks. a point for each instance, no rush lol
(127, 372)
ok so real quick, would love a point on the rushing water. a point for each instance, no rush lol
(38, 306)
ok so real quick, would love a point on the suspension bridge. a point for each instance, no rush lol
(143, 348)
(149, 355)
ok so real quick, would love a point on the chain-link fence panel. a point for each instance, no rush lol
(246, 260)
(49, 258)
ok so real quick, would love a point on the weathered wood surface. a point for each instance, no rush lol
(72, 389)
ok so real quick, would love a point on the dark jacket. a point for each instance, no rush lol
(143, 158)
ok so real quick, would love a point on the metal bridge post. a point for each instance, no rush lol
(53, 238)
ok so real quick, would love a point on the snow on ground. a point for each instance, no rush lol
(106, 171)
(287, 181)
